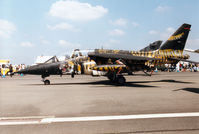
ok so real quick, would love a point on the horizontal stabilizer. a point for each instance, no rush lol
(194, 51)
(185, 60)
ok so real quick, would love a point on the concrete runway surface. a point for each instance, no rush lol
(164, 103)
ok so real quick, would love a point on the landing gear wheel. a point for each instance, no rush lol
(121, 80)
(111, 78)
(72, 75)
(46, 82)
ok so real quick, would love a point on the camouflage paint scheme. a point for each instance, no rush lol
(116, 62)
(170, 52)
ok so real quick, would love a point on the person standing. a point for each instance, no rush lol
(10, 70)
(3, 71)
(0, 70)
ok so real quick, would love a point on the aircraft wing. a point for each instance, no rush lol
(197, 51)
(195, 62)
(120, 56)
(194, 51)
(185, 60)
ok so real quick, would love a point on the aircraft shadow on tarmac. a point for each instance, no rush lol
(103, 82)
(156, 131)
(189, 89)
(168, 80)
(127, 84)
(107, 83)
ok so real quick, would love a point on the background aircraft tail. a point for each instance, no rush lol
(153, 46)
(178, 40)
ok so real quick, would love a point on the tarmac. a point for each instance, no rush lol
(165, 103)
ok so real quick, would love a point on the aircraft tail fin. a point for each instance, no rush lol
(153, 46)
(178, 40)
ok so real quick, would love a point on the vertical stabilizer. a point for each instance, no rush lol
(178, 40)
(153, 46)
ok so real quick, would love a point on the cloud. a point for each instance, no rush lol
(113, 41)
(6, 28)
(162, 9)
(76, 11)
(163, 35)
(64, 43)
(153, 32)
(170, 29)
(45, 42)
(116, 32)
(193, 43)
(168, 32)
(119, 22)
(68, 44)
(123, 22)
(62, 26)
(135, 24)
(26, 44)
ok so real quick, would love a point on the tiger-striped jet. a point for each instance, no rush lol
(115, 62)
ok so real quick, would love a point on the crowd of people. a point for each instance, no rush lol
(188, 67)
(9, 69)
(180, 67)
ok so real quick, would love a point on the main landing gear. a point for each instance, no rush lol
(121, 79)
(46, 81)
(72, 74)
(117, 78)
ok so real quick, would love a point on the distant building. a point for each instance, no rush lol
(5, 62)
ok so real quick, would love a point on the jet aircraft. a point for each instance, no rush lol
(51, 67)
(114, 62)
(76, 64)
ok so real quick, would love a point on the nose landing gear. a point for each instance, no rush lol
(46, 81)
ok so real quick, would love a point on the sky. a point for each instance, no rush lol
(31, 28)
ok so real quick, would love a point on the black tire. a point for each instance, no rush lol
(112, 78)
(121, 80)
(46, 82)
(72, 75)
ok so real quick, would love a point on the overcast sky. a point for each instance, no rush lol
(30, 28)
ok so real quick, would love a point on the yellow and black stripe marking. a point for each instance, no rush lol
(165, 55)
(108, 68)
